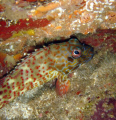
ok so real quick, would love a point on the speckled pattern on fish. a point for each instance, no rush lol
(42, 66)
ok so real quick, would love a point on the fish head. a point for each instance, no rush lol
(70, 55)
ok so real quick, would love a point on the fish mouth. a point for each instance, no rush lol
(92, 52)
(89, 51)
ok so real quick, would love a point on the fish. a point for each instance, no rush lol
(43, 65)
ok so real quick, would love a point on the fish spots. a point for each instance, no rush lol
(36, 85)
(5, 96)
(5, 90)
(63, 49)
(22, 78)
(8, 87)
(40, 82)
(57, 47)
(37, 67)
(26, 72)
(8, 79)
(42, 66)
(14, 93)
(1, 92)
(17, 83)
(13, 85)
(4, 86)
(34, 59)
(34, 79)
(29, 85)
(10, 91)
(62, 87)
(63, 60)
(58, 52)
(31, 70)
(41, 57)
(39, 75)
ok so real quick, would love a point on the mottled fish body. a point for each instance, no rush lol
(54, 61)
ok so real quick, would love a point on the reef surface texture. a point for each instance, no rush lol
(66, 17)
(26, 24)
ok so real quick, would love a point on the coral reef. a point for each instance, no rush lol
(106, 37)
(92, 85)
(59, 19)
(106, 109)
(82, 16)
(7, 31)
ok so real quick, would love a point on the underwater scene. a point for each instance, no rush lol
(57, 60)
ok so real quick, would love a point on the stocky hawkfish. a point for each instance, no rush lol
(48, 63)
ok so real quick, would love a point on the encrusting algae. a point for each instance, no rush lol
(27, 24)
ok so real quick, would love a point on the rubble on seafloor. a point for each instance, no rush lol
(27, 23)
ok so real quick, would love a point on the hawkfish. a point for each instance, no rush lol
(55, 61)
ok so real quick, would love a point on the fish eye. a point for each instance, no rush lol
(76, 53)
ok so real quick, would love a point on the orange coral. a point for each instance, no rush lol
(23, 24)
(2, 58)
(111, 16)
(2, 8)
(17, 57)
(40, 11)
(87, 17)
(31, 0)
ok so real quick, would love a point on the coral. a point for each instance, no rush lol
(2, 57)
(78, 16)
(2, 8)
(31, 0)
(102, 38)
(6, 32)
(92, 84)
(60, 20)
(6, 63)
(105, 109)
(9, 60)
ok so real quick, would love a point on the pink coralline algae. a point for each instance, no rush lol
(102, 38)
(105, 110)
(22, 24)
